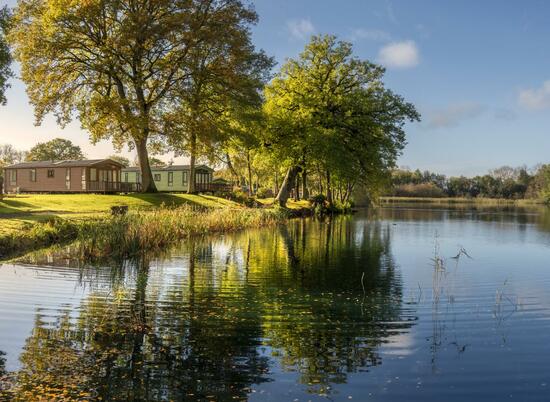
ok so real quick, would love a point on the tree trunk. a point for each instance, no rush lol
(147, 182)
(297, 189)
(232, 168)
(249, 168)
(193, 155)
(329, 190)
(287, 185)
(305, 191)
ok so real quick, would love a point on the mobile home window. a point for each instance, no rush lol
(13, 177)
(83, 179)
(157, 177)
(51, 173)
(170, 179)
(68, 178)
(126, 177)
(93, 174)
(33, 175)
(184, 178)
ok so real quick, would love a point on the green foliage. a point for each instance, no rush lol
(505, 182)
(264, 193)
(243, 198)
(5, 56)
(58, 149)
(156, 162)
(418, 190)
(122, 67)
(120, 159)
(9, 155)
(329, 108)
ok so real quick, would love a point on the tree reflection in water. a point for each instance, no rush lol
(208, 321)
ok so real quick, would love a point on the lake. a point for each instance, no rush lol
(408, 302)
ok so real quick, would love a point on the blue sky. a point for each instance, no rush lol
(475, 69)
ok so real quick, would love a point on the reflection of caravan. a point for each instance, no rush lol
(173, 178)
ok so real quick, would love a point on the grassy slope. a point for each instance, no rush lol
(17, 212)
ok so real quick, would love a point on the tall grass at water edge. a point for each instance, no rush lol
(138, 230)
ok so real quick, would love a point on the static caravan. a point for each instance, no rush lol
(75, 176)
(173, 178)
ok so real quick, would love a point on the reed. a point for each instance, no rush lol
(139, 230)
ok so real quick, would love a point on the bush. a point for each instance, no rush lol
(242, 198)
(264, 193)
(418, 190)
(318, 200)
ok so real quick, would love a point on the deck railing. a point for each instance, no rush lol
(112, 187)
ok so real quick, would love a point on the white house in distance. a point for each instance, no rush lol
(173, 178)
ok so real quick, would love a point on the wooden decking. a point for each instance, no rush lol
(112, 187)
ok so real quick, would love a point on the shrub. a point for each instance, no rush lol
(264, 193)
(418, 190)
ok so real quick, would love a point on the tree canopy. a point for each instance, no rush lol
(58, 149)
(121, 66)
(120, 159)
(10, 155)
(5, 56)
(331, 109)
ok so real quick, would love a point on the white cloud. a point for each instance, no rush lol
(454, 114)
(536, 99)
(370, 34)
(399, 54)
(301, 29)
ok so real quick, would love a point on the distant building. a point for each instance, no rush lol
(77, 176)
(173, 178)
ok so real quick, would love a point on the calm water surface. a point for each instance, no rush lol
(349, 309)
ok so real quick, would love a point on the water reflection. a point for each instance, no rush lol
(219, 316)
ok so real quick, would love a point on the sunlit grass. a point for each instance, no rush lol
(291, 204)
(86, 203)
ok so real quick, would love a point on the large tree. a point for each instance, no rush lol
(332, 108)
(9, 155)
(58, 149)
(5, 56)
(119, 65)
(227, 74)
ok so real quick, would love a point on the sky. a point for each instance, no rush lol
(477, 71)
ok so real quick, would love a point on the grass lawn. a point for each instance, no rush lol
(17, 212)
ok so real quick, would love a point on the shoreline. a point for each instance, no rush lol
(450, 200)
(139, 230)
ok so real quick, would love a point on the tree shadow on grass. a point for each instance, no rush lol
(168, 199)
(12, 206)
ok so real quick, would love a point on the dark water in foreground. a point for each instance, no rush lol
(352, 309)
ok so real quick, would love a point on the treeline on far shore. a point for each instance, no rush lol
(513, 183)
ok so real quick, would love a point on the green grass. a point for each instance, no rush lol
(29, 222)
(88, 203)
(18, 212)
